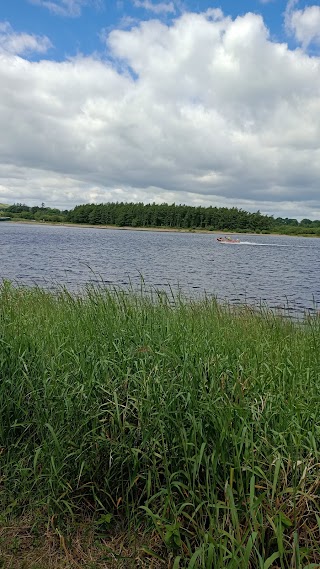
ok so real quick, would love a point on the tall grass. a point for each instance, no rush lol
(193, 423)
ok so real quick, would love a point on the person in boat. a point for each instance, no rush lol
(227, 238)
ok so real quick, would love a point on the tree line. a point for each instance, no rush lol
(171, 216)
(33, 213)
(123, 214)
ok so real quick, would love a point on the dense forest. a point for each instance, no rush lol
(166, 216)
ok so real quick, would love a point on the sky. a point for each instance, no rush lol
(195, 102)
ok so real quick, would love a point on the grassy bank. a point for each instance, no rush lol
(275, 231)
(187, 428)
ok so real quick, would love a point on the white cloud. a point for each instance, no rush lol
(303, 24)
(21, 43)
(214, 14)
(159, 8)
(206, 111)
(68, 8)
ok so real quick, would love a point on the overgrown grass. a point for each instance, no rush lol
(193, 425)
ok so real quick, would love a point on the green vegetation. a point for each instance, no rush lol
(193, 426)
(289, 226)
(174, 216)
(167, 216)
(37, 213)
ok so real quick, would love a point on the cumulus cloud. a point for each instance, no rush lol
(68, 8)
(303, 24)
(159, 8)
(21, 43)
(207, 110)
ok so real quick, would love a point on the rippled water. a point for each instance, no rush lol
(277, 271)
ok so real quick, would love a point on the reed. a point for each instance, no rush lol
(193, 423)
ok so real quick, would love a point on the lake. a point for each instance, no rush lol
(277, 271)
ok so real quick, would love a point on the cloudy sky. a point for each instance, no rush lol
(175, 100)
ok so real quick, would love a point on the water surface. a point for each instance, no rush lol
(277, 271)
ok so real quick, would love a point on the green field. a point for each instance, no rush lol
(180, 434)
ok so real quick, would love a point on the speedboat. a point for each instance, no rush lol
(227, 240)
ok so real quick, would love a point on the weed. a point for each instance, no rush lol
(193, 425)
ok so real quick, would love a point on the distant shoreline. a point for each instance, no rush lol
(155, 229)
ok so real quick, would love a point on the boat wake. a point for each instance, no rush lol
(262, 244)
(271, 245)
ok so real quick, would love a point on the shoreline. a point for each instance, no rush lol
(130, 228)
(157, 229)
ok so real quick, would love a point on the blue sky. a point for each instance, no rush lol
(161, 100)
(81, 33)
